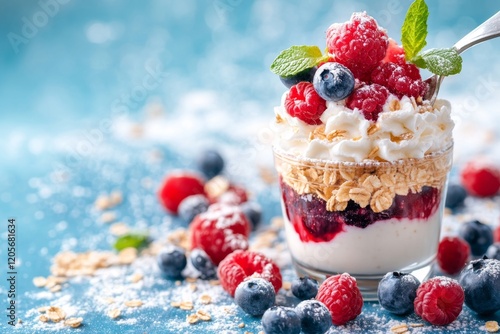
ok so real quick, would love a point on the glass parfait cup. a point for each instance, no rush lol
(366, 219)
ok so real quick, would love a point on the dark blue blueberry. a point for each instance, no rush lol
(192, 206)
(333, 81)
(455, 196)
(305, 287)
(281, 320)
(210, 163)
(481, 283)
(493, 251)
(172, 260)
(202, 262)
(305, 75)
(478, 235)
(315, 318)
(253, 212)
(255, 296)
(397, 291)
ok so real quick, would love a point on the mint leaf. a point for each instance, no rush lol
(440, 61)
(134, 240)
(414, 30)
(296, 59)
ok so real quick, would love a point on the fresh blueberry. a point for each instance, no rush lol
(478, 235)
(281, 320)
(172, 260)
(202, 262)
(210, 163)
(255, 296)
(305, 75)
(493, 251)
(315, 318)
(253, 211)
(192, 206)
(481, 283)
(333, 81)
(397, 291)
(455, 196)
(305, 287)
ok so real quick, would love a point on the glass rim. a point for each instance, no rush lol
(283, 155)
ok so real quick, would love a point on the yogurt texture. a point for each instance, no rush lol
(403, 130)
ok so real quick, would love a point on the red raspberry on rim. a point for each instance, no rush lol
(439, 300)
(304, 103)
(359, 44)
(453, 254)
(400, 79)
(342, 297)
(177, 186)
(240, 264)
(370, 99)
(220, 231)
(481, 178)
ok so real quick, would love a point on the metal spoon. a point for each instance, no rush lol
(488, 30)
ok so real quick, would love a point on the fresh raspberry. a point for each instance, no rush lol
(359, 44)
(239, 265)
(439, 300)
(480, 178)
(496, 234)
(370, 99)
(341, 295)
(453, 253)
(395, 53)
(220, 231)
(304, 103)
(177, 186)
(400, 79)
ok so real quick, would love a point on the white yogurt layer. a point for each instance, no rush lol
(409, 132)
(387, 245)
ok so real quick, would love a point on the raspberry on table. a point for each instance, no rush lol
(453, 253)
(220, 231)
(177, 186)
(304, 103)
(480, 178)
(342, 297)
(370, 99)
(400, 79)
(395, 53)
(240, 264)
(439, 300)
(359, 44)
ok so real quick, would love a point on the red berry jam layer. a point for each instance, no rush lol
(314, 223)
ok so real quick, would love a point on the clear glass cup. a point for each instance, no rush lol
(366, 219)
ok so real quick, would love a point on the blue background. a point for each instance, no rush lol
(93, 64)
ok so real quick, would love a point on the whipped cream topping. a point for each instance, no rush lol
(403, 130)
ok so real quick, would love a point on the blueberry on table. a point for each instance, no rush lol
(172, 261)
(397, 291)
(202, 262)
(455, 196)
(305, 287)
(481, 283)
(255, 296)
(315, 318)
(253, 212)
(210, 163)
(192, 206)
(305, 75)
(281, 320)
(333, 81)
(478, 235)
(493, 251)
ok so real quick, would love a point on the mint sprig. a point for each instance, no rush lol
(135, 240)
(296, 59)
(413, 34)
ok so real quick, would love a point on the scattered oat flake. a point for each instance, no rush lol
(19, 321)
(399, 329)
(114, 313)
(241, 325)
(56, 288)
(134, 303)
(287, 285)
(73, 322)
(191, 279)
(205, 299)
(108, 300)
(55, 313)
(192, 318)
(43, 318)
(491, 326)
(136, 277)
(214, 282)
(416, 325)
(108, 217)
(175, 304)
(186, 305)
(119, 229)
(127, 255)
(39, 281)
(178, 283)
(203, 315)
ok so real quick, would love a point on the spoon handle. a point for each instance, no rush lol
(488, 30)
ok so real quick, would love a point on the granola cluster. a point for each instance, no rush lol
(374, 184)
